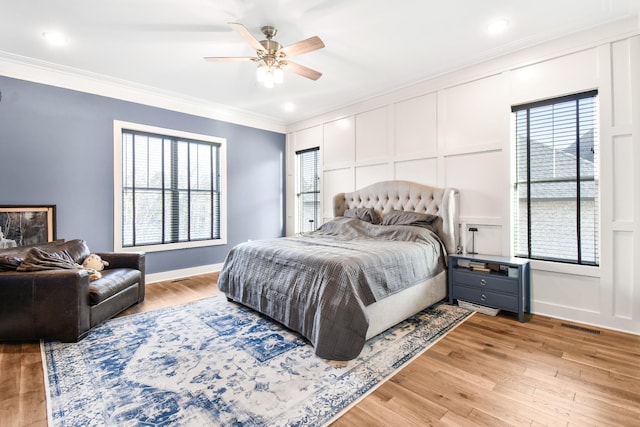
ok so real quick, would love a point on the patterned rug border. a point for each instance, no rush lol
(401, 363)
(398, 369)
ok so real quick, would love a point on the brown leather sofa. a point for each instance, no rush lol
(63, 304)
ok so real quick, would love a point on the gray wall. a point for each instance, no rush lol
(56, 148)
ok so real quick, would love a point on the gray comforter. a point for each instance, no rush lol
(319, 283)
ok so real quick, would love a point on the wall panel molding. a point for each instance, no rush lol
(477, 160)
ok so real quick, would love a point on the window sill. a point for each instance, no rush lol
(173, 246)
(573, 269)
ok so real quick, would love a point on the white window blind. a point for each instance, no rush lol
(556, 194)
(308, 195)
(171, 189)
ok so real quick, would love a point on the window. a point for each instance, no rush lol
(308, 194)
(169, 189)
(556, 195)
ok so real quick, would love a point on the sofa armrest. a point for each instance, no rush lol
(135, 260)
(50, 304)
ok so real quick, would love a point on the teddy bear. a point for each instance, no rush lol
(95, 265)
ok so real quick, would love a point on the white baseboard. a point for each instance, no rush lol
(185, 272)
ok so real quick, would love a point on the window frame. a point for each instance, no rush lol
(578, 267)
(299, 228)
(118, 128)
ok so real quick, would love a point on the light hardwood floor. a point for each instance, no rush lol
(488, 371)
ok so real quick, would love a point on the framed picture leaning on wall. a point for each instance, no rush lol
(22, 225)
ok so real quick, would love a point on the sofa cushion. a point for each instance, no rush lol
(112, 282)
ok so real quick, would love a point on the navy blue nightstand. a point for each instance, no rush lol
(502, 283)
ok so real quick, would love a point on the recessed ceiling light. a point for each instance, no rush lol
(289, 106)
(498, 26)
(55, 38)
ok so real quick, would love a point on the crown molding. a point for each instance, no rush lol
(37, 71)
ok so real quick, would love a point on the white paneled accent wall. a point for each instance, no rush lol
(622, 156)
(456, 131)
(623, 292)
(469, 119)
(372, 136)
(564, 75)
(370, 174)
(339, 144)
(416, 127)
(485, 177)
(621, 82)
(419, 170)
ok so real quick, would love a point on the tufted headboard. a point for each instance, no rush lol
(407, 196)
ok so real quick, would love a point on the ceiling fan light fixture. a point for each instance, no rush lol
(272, 58)
(268, 80)
(261, 73)
(269, 75)
(278, 75)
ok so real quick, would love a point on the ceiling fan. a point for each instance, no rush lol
(272, 57)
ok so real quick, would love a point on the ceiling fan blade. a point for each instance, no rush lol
(230, 59)
(304, 46)
(242, 30)
(302, 70)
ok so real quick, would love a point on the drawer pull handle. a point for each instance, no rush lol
(483, 282)
(483, 297)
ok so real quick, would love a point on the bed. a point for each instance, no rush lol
(381, 259)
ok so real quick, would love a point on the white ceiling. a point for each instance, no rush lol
(372, 46)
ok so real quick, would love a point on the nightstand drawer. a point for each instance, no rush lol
(487, 298)
(484, 281)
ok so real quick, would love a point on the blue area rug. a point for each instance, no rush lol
(213, 362)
